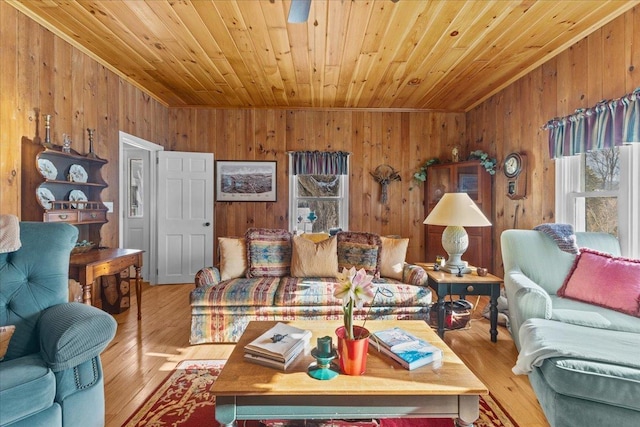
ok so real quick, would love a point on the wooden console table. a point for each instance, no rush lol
(88, 266)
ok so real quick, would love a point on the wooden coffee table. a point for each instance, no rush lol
(248, 391)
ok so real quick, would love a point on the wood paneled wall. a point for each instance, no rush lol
(42, 74)
(402, 140)
(601, 66)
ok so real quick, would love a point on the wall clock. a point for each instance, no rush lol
(514, 168)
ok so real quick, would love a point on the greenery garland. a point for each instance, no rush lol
(489, 164)
(421, 175)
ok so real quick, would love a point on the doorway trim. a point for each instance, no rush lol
(133, 141)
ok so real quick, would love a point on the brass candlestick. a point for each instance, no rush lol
(47, 131)
(91, 153)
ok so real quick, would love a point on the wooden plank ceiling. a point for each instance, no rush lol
(409, 54)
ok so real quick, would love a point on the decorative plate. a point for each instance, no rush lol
(47, 169)
(45, 197)
(77, 173)
(77, 196)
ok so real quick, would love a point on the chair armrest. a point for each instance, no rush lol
(72, 333)
(414, 275)
(208, 276)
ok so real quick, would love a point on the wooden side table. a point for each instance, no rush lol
(86, 267)
(444, 283)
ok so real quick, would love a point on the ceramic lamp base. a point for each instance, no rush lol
(454, 269)
(455, 242)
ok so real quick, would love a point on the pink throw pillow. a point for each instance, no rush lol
(604, 280)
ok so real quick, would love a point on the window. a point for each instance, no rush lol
(597, 205)
(318, 202)
(599, 190)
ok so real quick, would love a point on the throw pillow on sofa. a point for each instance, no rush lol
(393, 253)
(359, 250)
(311, 259)
(315, 237)
(233, 257)
(602, 279)
(268, 252)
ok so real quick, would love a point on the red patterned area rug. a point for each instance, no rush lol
(184, 399)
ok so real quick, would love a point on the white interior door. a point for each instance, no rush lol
(185, 215)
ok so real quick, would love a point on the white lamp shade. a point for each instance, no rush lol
(457, 209)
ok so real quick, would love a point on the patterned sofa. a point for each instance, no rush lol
(271, 275)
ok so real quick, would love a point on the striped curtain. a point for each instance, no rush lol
(320, 162)
(607, 124)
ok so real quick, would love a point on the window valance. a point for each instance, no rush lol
(319, 162)
(609, 123)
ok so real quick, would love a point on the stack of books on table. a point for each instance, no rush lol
(408, 350)
(278, 347)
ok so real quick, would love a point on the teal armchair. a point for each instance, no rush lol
(51, 374)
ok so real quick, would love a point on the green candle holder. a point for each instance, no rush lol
(324, 353)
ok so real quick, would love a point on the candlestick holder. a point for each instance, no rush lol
(324, 353)
(91, 154)
(47, 131)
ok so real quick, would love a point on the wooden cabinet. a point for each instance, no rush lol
(469, 177)
(69, 191)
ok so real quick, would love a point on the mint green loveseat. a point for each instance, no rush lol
(590, 372)
(51, 374)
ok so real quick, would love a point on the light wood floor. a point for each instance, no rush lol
(144, 352)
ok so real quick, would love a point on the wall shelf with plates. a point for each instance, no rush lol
(71, 190)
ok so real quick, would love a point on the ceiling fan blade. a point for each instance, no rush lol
(299, 11)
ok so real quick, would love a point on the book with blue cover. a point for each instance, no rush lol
(395, 338)
(408, 350)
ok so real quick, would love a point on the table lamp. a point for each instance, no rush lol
(456, 211)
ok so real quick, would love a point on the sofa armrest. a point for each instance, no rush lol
(208, 276)
(414, 275)
(72, 333)
(531, 299)
(526, 300)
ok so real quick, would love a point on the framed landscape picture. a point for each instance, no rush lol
(245, 181)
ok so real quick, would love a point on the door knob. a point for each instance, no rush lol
(206, 224)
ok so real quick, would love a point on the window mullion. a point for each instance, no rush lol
(604, 193)
(629, 200)
(568, 180)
